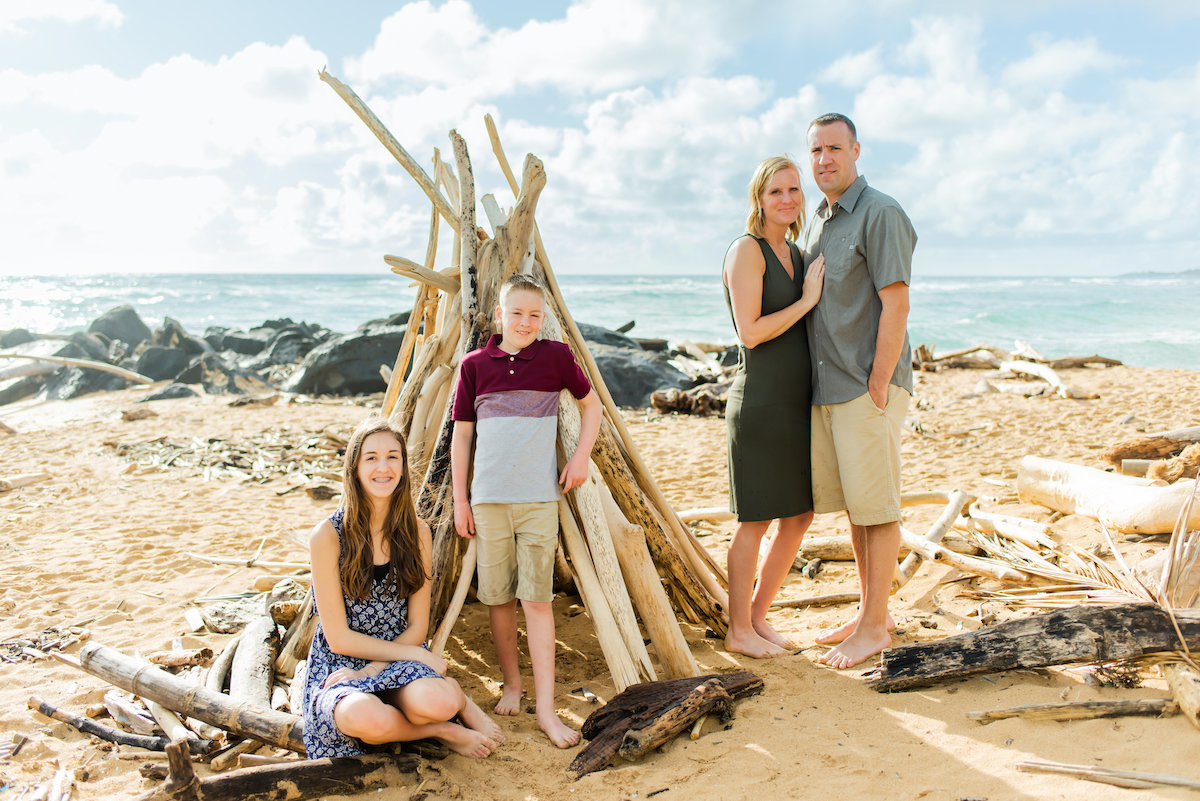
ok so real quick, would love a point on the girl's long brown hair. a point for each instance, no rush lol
(399, 526)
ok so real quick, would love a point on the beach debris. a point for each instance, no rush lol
(647, 715)
(127, 713)
(193, 656)
(1077, 634)
(21, 480)
(1047, 374)
(128, 375)
(252, 669)
(109, 733)
(1132, 779)
(1081, 710)
(5, 428)
(990, 357)
(831, 599)
(36, 646)
(131, 415)
(1184, 683)
(170, 392)
(926, 547)
(705, 400)
(293, 779)
(418, 399)
(1126, 503)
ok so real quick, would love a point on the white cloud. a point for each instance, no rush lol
(598, 45)
(853, 70)
(1054, 64)
(15, 12)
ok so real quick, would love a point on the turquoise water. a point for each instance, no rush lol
(1148, 320)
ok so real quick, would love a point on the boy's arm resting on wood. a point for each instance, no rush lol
(460, 462)
(331, 606)
(893, 323)
(576, 470)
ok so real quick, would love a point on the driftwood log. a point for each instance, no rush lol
(708, 697)
(638, 706)
(112, 735)
(289, 781)
(1185, 686)
(149, 681)
(251, 672)
(1082, 710)
(1128, 504)
(1153, 446)
(1066, 636)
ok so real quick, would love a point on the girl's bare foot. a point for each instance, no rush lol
(753, 645)
(467, 742)
(764, 630)
(858, 647)
(510, 700)
(559, 733)
(837, 635)
(477, 720)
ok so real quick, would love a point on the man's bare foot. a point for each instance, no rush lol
(510, 700)
(753, 645)
(858, 647)
(559, 733)
(467, 742)
(837, 635)
(769, 634)
(477, 720)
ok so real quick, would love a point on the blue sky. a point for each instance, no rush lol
(1023, 138)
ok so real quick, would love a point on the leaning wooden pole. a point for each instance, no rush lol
(401, 155)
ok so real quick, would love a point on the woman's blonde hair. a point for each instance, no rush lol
(762, 176)
(399, 524)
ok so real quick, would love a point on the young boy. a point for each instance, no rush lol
(507, 396)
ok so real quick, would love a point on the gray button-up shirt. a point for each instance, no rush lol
(868, 244)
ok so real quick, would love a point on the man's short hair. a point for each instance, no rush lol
(830, 119)
(523, 282)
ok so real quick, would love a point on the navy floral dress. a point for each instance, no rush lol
(383, 615)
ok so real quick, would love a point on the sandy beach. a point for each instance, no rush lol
(102, 545)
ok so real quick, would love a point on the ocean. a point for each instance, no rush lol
(1144, 320)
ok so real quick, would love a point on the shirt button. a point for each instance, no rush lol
(510, 358)
(511, 372)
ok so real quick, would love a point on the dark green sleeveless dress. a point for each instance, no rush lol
(769, 408)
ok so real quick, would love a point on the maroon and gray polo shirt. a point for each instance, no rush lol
(513, 401)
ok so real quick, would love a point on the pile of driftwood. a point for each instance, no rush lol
(1167, 455)
(1023, 360)
(300, 457)
(627, 550)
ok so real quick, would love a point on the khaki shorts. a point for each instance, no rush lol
(856, 457)
(516, 551)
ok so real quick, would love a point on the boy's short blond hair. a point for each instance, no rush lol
(526, 283)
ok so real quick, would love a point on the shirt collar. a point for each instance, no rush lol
(492, 348)
(848, 200)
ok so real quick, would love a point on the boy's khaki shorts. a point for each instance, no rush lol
(516, 551)
(856, 457)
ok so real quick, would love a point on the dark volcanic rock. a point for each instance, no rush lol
(605, 336)
(631, 375)
(95, 348)
(400, 318)
(160, 363)
(121, 323)
(71, 382)
(171, 391)
(14, 337)
(245, 343)
(219, 376)
(349, 364)
(173, 335)
(289, 345)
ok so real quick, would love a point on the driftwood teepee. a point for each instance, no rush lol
(627, 549)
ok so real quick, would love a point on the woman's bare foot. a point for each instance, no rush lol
(559, 733)
(858, 647)
(764, 630)
(753, 645)
(510, 700)
(467, 742)
(837, 635)
(477, 720)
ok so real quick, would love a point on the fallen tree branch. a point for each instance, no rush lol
(1082, 710)
(129, 375)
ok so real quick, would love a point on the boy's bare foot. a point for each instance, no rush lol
(510, 700)
(769, 634)
(477, 720)
(559, 733)
(754, 645)
(856, 648)
(468, 742)
(837, 635)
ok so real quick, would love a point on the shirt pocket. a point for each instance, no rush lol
(842, 252)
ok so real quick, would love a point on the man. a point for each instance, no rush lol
(862, 374)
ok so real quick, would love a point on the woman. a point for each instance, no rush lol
(767, 416)
(370, 679)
